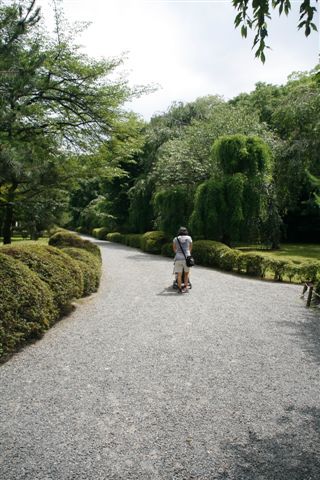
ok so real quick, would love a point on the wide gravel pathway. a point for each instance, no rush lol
(142, 383)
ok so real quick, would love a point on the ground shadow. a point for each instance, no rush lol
(307, 332)
(291, 455)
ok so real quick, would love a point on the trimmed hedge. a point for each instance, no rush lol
(152, 242)
(68, 239)
(133, 240)
(38, 283)
(215, 254)
(61, 273)
(218, 255)
(115, 237)
(100, 233)
(90, 267)
(167, 250)
(26, 305)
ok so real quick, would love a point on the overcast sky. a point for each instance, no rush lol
(190, 48)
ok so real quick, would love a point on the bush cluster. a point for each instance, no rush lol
(67, 239)
(38, 284)
(150, 242)
(100, 233)
(215, 254)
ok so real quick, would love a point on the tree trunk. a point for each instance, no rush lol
(7, 224)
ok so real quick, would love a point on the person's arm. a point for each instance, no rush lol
(190, 246)
(174, 246)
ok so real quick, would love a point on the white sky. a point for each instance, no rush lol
(190, 48)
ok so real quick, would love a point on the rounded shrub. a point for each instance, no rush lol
(26, 305)
(58, 270)
(254, 264)
(151, 242)
(100, 233)
(167, 250)
(115, 237)
(133, 240)
(90, 266)
(68, 239)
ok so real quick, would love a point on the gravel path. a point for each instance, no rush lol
(142, 383)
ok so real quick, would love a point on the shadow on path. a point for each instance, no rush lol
(291, 455)
(307, 333)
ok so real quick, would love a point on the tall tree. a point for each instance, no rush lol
(53, 100)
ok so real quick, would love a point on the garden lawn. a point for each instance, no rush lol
(297, 252)
(41, 241)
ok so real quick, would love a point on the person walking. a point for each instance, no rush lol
(182, 247)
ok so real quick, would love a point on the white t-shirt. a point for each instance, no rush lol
(185, 241)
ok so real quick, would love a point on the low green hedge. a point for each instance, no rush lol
(90, 267)
(61, 273)
(38, 283)
(215, 254)
(26, 305)
(133, 240)
(115, 237)
(69, 239)
(152, 242)
(100, 233)
(167, 250)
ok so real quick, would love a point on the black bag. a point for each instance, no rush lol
(189, 261)
(189, 258)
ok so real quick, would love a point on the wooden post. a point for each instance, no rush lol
(310, 295)
(305, 288)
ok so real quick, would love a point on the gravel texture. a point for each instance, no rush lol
(141, 383)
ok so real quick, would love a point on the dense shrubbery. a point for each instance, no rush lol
(115, 237)
(60, 272)
(90, 267)
(100, 233)
(26, 305)
(68, 239)
(152, 242)
(167, 250)
(218, 255)
(38, 284)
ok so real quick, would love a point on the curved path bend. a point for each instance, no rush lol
(142, 383)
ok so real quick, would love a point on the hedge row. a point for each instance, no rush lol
(38, 284)
(215, 254)
(151, 242)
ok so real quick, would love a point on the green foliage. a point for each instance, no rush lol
(256, 18)
(133, 240)
(60, 272)
(252, 264)
(232, 205)
(90, 266)
(100, 233)
(240, 153)
(68, 239)
(167, 250)
(54, 100)
(173, 207)
(152, 242)
(141, 208)
(115, 237)
(26, 305)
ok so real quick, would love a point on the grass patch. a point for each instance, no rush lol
(21, 240)
(296, 252)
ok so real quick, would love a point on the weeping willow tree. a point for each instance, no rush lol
(173, 207)
(234, 204)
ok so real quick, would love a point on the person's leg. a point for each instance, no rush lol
(178, 266)
(186, 279)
